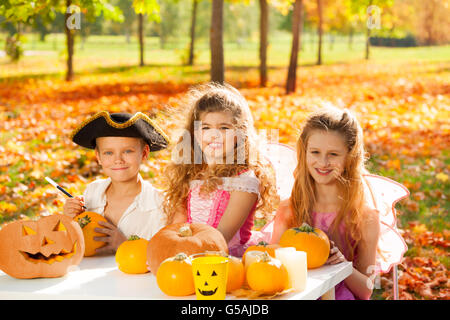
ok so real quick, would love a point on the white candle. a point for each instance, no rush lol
(283, 254)
(284, 249)
(295, 263)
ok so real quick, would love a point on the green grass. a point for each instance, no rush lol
(432, 210)
(104, 53)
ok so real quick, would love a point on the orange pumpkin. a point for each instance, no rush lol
(183, 237)
(313, 241)
(268, 275)
(250, 257)
(174, 276)
(45, 248)
(236, 274)
(88, 221)
(263, 247)
(131, 255)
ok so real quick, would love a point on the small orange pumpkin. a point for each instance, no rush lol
(250, 257)
(263, 247)
(174, 276)
(236, 274)
(88, 221)
(131, 255)
(268, 275)
(183, 237)
(313, 241)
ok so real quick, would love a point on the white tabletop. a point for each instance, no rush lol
(99, 278)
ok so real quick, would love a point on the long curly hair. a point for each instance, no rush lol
(350, 182)
(185, 165)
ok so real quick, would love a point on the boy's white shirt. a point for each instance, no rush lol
(144, 217)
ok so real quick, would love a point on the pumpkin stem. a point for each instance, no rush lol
(180, 256)
(262, 243)
(83, 222)
(185, 231)
(133, 237)
(265, 257)
(305, 228)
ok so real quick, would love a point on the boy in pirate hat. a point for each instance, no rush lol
(132, 206)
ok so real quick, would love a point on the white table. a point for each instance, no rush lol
(99, 278)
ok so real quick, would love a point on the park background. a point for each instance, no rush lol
(387, 61)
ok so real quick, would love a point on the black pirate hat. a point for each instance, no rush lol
(104, 124)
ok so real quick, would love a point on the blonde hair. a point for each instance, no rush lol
(350, 182)
(207, 98)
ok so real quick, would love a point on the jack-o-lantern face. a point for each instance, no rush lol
(44, 248)
(210, 284)
(210, 277)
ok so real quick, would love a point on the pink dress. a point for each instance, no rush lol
(210, 209)
(323, 221)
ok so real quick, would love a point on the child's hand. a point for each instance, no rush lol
(113, 237)
(74, 206)
(335, 256)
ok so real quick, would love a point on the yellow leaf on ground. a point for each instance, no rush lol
(442, 177)
(420, 228)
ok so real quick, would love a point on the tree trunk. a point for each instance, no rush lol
(297, 23)
(367, 44)
(263, 37)
(368, 37)
(69, 44)
(350, 39)
(216, 42)
(320, 31)
(141, 38)
(429, 9)
(193, 23)
(42, 35)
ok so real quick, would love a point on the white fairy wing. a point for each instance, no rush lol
(284, 160)
(383, 193)
(391, 248)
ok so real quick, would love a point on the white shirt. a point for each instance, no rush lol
(144, 217)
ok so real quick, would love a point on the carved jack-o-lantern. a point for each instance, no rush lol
(44, 248)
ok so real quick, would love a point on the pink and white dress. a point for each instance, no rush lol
(209, 209)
